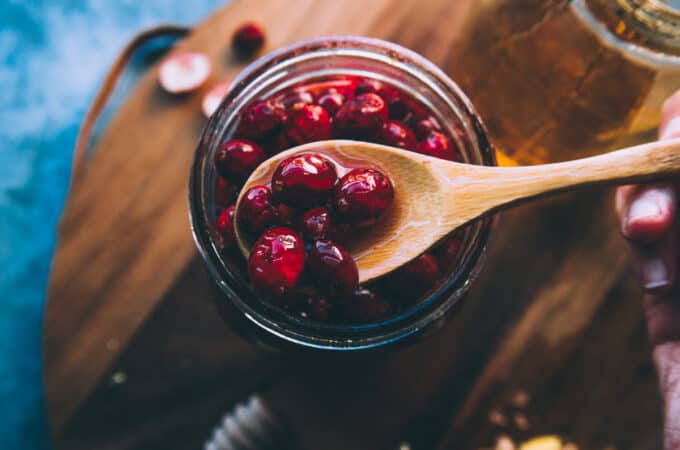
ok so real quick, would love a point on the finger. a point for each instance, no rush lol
(670, 113)
(667, 360)
(655, 264)
(646, 213)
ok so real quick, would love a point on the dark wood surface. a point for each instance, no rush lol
(550, 340)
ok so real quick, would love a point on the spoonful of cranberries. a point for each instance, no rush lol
(391, 205)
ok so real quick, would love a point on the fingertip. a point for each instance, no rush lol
(650, 214)
(669, 127)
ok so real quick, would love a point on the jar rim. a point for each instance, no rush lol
(344, 336)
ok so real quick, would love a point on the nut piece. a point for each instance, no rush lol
(542, 443)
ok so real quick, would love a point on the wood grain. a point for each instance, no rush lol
(137, 358)
(459, 193)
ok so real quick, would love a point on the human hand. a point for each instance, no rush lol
(647, 215)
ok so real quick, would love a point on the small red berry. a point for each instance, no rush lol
(416, 277)
(438, 145)
(316, 224)
(365, 306)
(424, 127)
(288, 216)
(360, 118)
(236, 159)
(308, 123)
(317, 308)
(276, 262)
(225, 226)
(366, 86)
(362, 196)
(396, 134)
(225, 193)
(304, 180)
(260, 119)
(256, 210)
(296, 99)
(332, 101)
(396, 108)
(332, 268)
(447, 252)
(248, 39)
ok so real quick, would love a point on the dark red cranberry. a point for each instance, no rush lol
(304, 180)
(225, 226)
(316, 224)
(261, 119)
(416, 277)
(396, 134)
(424, 127)
(308, 123)
(237, 158)
(248, 39)
(296, 99)
(225, 193)
(366, 86)
(438, 145)
(332, 268)
(360, 118)
(365, 306)
(332, 101)
(396, 108)
(317, 308)
(288, 216)
(256, 210)
(276, 262)
(362, 196)
(447, 252)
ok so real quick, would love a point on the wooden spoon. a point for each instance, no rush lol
(433, 197)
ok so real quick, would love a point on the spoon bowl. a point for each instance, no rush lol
(433, 197)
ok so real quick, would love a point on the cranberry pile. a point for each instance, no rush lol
(303, 219)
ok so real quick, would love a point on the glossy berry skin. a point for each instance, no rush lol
(362, 196)
(276, 262)
(396, 134)
(248, 39)
(332, 268)
(308, 123)
(304, 180)
(447, 252)
(296, 99)
(363, 306)
(256, 210)
(424, 127)
(332, 101)
(225, 226)
(416, 277)
(316, 223)
(360, 118)
(368, 86)
(260, 119)
(436, 144)
(237, 158)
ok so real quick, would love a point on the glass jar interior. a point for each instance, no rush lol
(311, 62)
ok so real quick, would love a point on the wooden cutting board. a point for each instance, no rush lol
(135, 356)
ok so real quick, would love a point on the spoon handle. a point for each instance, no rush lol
(506, 185)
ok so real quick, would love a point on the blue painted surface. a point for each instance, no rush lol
(53, 55)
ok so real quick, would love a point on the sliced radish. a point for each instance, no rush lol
(184, 72)
(214, 97)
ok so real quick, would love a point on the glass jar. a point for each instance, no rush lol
(558, 80)
(300, 64)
